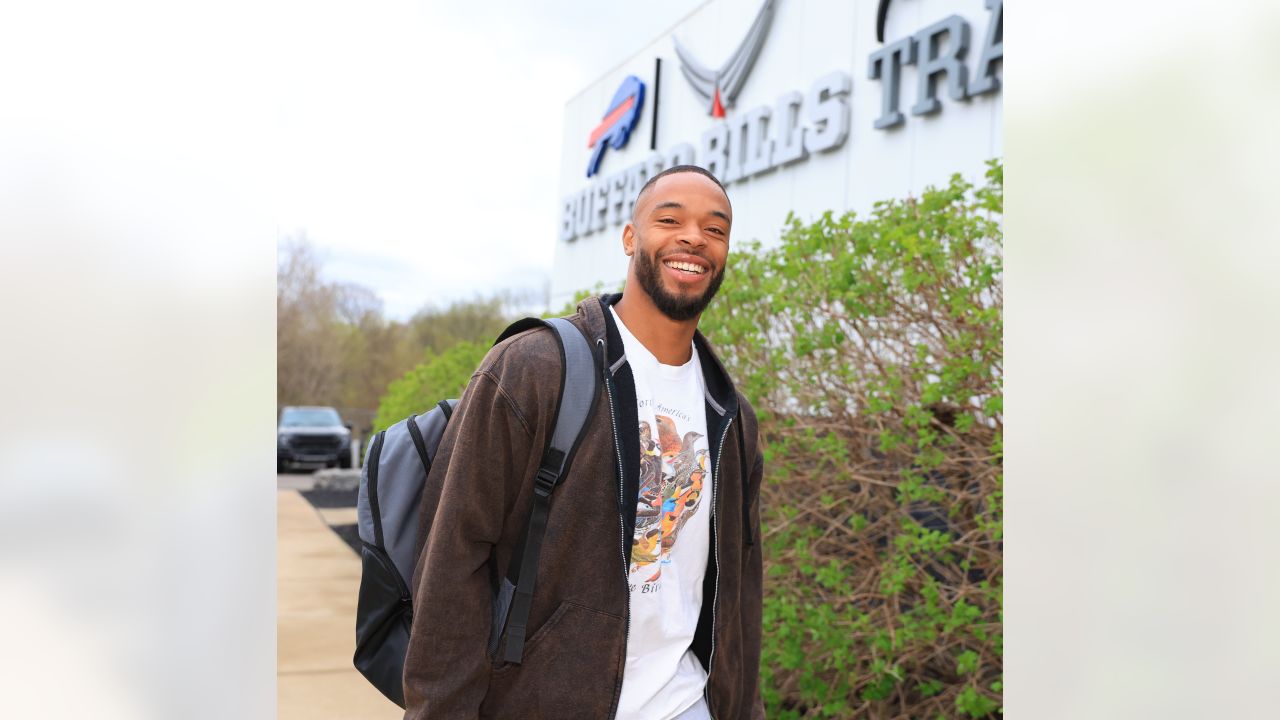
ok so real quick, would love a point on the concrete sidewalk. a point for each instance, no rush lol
(317, 578)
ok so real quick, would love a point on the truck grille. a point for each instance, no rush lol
(316, 443)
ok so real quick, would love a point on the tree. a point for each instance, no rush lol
(440, 377)
(335, 347)
(308, 333)
(435, 330)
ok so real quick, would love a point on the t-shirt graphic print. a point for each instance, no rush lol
(669, 554)
(673, 468)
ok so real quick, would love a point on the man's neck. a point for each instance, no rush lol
(669, 340)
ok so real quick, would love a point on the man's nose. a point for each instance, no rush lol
(691, 237)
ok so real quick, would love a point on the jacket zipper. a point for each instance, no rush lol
(715, 532)
(622, 526)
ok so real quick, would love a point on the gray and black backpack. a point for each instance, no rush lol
(396, 469)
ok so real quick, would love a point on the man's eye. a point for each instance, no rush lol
(666, 220)
(715, 230)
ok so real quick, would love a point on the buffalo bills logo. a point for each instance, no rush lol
(619, 120)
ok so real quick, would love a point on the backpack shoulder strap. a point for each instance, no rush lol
(419, 443)
(578, 391)
(578, 388)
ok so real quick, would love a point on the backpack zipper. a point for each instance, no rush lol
(622, 526)
(371, 465)
(715, 532)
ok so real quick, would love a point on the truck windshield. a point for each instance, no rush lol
(309, 417)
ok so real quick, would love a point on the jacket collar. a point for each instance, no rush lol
(600, 326)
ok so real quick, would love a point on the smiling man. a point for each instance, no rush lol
(648, 594)
(678, 241)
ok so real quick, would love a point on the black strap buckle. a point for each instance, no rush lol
(545, 481)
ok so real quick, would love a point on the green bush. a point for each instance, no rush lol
(872, 350)
(440, 377)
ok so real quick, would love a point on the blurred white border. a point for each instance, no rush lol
(1141, 255)
(136, 296)
(137, 538)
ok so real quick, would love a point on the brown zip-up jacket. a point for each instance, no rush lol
(575, 648)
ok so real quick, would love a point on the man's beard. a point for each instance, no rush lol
(676, 307)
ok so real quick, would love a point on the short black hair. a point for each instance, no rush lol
(680, 169)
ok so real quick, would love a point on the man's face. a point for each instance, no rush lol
(679, 242)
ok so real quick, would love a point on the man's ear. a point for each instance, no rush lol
(629, 239)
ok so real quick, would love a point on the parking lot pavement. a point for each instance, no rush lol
(296, 480)
(317, 578)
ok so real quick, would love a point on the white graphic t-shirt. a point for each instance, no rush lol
(672, 538)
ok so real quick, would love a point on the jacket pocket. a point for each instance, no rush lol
(570, 669)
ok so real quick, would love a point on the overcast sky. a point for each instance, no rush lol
(419, 141)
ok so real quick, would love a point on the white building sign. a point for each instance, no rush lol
(810, 106)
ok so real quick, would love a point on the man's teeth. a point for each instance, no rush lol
(687, 267)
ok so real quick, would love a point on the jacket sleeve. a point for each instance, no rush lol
(484, 448)
(754, 585)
